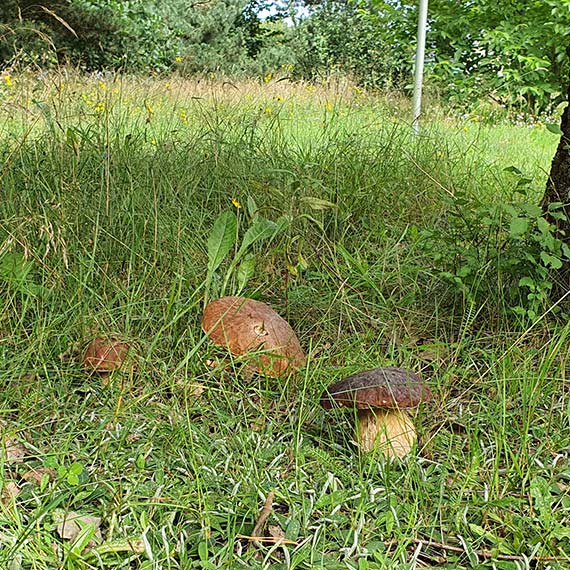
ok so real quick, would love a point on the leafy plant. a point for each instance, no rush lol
(503, 251)
(16, 272)
(223, 238)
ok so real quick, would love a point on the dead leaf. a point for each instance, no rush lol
(36, 475)
(276, 532)
(9, 492)
(12, 450)
(69, 524)
(195, 389)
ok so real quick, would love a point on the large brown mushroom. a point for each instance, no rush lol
(103, 356)
(380, 397)
(244, 326)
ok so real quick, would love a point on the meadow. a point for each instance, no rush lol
(425, 252)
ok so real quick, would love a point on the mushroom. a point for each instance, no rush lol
(105, 355)
(244, 325)
(380, 397)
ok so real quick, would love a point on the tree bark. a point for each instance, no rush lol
(558, 191)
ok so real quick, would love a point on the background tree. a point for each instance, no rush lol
(556, 202)
(140, 35)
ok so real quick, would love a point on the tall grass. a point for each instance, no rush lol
(109, 189)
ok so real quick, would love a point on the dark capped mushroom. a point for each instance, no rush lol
(380, 397)
(244, 326)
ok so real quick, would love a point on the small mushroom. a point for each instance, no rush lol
(103, 356)
(244, 325)
(380, 397)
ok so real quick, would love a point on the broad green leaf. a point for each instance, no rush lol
(523, 182)
(518, 227)
(292, 529)
(527, 282)
(532, 210)
(245, 272)
(540, 493)
(480, 532)
(203, 551)
(560, 532)
(261, 230)
(72, 479)
(221, 239)
(14, 268)
(76, 468)
(550, 260)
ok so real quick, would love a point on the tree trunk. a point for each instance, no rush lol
(558, 191)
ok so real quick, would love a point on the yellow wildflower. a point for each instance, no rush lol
(100, 107)
(8, 80)
(236, 203)
(178, 59)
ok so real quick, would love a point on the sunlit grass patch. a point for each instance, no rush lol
(110, 189)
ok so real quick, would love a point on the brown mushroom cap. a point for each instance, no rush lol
(105, 355)
(388, 387)
(245, 325)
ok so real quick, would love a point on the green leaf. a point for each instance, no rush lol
(527, 282)
(221, 239)
(251, 207)
(85, 536)
(245, 272)
(292, 529)
(560, 532)
(203, 551)
(550, 260)
(76, 468)
(14, 268)
(261, 230)
(540, 493)
(72, 479)
(518, 227)
(554, 128)
(532, 210)
(317, 203)
(523, 182)
(480, 532)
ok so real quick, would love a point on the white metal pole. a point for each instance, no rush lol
(419, 67)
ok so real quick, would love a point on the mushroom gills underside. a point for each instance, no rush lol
(392, 432)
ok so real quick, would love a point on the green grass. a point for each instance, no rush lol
(109, 191)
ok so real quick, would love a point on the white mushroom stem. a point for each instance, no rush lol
(390, 431)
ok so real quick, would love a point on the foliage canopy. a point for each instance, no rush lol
(512, 53)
